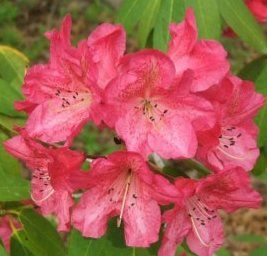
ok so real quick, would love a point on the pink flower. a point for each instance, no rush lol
(151, 110)
(123, 185)
(6, 229)
(63, 95)
(55, 175)
(232, 142)
(258, 9)
(197, 218)
(207, 58)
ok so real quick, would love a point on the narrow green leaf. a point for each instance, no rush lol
(240, 19)
(130, 13)
(43, 239)
(207, 16)
(170, 11)
(147, 21)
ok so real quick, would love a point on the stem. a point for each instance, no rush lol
(159, 170)
(198, 166)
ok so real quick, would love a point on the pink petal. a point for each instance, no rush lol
(92, 213)
(205, 240)
(184, 36)
(59, 204)
(178, 225)
(174, 137)
(206, 58)
(107, 43)
(52, 122)
(133, 129)
(258, 9)
(142, 222)
(244, 102)
(229, 190)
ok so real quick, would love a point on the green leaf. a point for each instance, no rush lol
(12, 65)
(3, 252)
(256, 71)
(207, 16)
(9, 122)
(12, 69)
(130, 13)
(260, 166)
(261, 121)
(8, 161)
(261, 251)
(17, 244)
(252, 70)
(78, 245)
(42, 238)
(170, 11)
(112, 244)
(240, 19)
(8, 95)
(12, 186)
(148, 21)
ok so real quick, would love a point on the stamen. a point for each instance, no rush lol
(43, 199)
(128, 183)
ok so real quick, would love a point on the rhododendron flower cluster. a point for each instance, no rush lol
(179, 104)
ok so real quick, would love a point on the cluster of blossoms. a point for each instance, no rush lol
(181, 104)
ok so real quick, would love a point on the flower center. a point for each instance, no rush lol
(70, 98)
(228, 139)
(123, 191)
(41, 185)
(151, 110)
(200, 214)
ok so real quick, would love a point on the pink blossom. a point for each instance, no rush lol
(151, 110)
(197, 218)
(63, 95)
(232, 141)
(258, 9)
(123, 185)
(6, 229)
(207, 58)
(55, 175)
